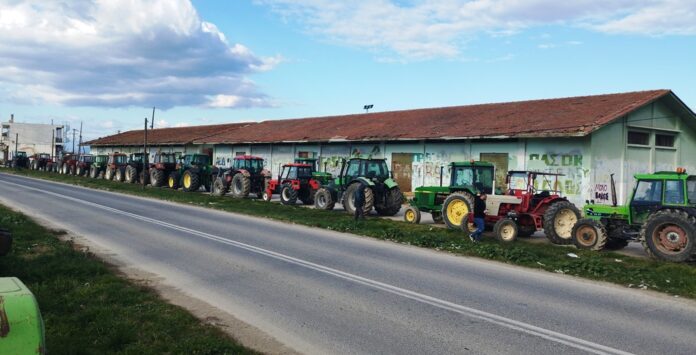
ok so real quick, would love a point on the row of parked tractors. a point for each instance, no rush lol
(299, 181)
(661, 212)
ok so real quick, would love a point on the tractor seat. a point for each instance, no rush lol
(539, 197)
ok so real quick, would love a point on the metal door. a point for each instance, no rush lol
(402, 170)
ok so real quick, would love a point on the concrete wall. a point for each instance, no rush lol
(33, 138)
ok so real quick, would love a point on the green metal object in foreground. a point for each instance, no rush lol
(323, 177)
(661, 213)
(21, 326)
(452, 203)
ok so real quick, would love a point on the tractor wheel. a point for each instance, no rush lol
(131, 173)
(109, 174)
(219, 187)
(79, 171)
(669, 235)
(323, 200)
(288, 196)
(119, 174)
(589, 234)
(506, 230)
(173, 180)
(456, 208)
(349, 198)
(35, 165)
(412, 215)
(559, 220)
(157, 177)
(93, 173)
(73, 170)
(437, 216)
(240, 186)
(393, 200)
(191, 182)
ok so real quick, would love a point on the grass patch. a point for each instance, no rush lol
(671, 278)
(88, 309)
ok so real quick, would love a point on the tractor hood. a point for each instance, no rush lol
(595, 210)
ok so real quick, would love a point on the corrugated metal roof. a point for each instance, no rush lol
(562, 117)
(166, 136)
(573, 116)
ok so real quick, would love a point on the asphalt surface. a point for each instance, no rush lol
(322, 292)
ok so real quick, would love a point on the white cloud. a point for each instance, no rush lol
(121, 53)
(424, 29)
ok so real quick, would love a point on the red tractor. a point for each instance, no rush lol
(83, 164)
(247, 175)
(39, 161)
(532, 202)
(67, 164)
(116, 167)
(294, 182)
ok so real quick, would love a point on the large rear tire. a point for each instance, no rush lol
(240, 186)
(349, 198)
(559, 220)
(288, 196)
(191, 181)
(131, 173)
(669, 235)
(156, 177)
(589, 234)
(393, 200)
(456, 209)
(323, 200)
(109, 174)
(93, 172)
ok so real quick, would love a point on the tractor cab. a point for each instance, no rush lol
(118, 159)
(322, 177)
(296, 171)
(374, 170)
(101, 159)
(196, 159)
(87, 158)
(44, 156)
(136, 158)
(20, 154)
(164, 158)
(532, 187)
(659, 191)
(250, 163)
(472, 176)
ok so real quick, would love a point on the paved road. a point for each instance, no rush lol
(324, 292)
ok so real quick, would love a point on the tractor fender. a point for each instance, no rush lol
(295, 184)
(364, 180)
(243, 172)
(272, 185)
(390, 183)
(314, 184)
(545, 203)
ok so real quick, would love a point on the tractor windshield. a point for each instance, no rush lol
(101, 159)
(200, 159)
(376, 169)
(44, 156)
(137, 158)
(21, 154)
(167, 158)
(120, 159)
(691, 189)
(86, 158)
(480, 177)
(517, 181)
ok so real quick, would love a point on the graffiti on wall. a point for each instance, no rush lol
(575, 175)
(427, 169)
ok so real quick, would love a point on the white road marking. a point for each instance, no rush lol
(526, 328)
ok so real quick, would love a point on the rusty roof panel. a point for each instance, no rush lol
(573, 116)
(166, 136)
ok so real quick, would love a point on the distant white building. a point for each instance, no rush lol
(32, 138)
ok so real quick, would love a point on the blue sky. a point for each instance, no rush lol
(211, 61)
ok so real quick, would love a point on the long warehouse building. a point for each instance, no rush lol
(584, 138)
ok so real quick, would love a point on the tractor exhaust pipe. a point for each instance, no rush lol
(613, 191)
(442, 171)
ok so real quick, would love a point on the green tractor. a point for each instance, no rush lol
(452, 204)
(323, 177)
(98, 167)
(136, 171)
(382, 191)
(661, 213)
(192, 172)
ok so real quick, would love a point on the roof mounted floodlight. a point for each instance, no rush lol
(367, 108)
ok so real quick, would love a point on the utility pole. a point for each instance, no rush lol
(53, 140)
(16, 144)
(145, 155)
(73, 140)
(152, 123)
(79, 147)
